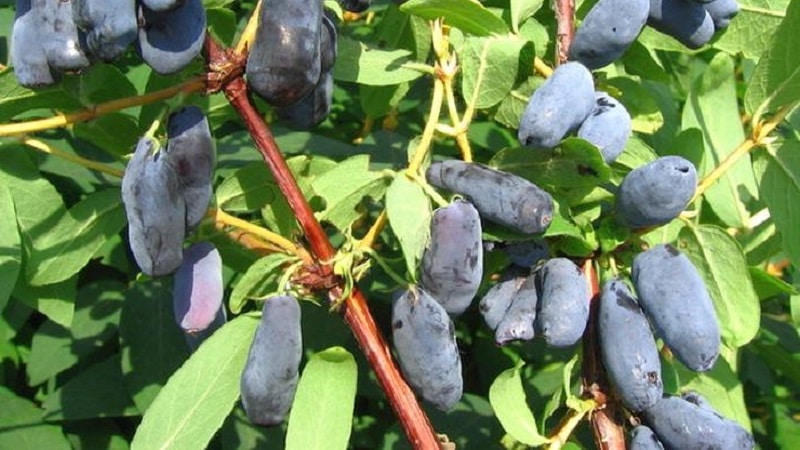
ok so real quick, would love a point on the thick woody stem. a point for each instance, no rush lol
(606, 423)
(565, 16)
(356, 314)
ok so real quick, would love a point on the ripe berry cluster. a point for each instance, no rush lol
(53, 37)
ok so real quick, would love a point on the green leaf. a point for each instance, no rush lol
(116, 133)
(199, 396)
(99, 83)
(10, 246)
(359, 63)
(260, 279)
(574, 163)
(521, 10)
(768, 285)
(778, 173)
(713, 108)
(776, 81)
(409, 213)
(721, 387)
(15, 99)
(97, 391)
(751, 30)
(509, 402)
(721, 263)
(152, 345)
(466, 15)
(22, 426)
(324, 402)
(344, 187)
(38, 205)
(55, 348)
(56, 301)
(511, 108)
(636, 154)
(646, 116)
(63, 250)
(489, 68)
(247, 189)
(794, 304)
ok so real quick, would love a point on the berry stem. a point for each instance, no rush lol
(606, 425)
(758, 139)
(276, 241)
(415, 423)
(89, 164)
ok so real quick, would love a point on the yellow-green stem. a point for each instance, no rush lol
(542, 67)
(62, 120)
(281, 243)
(566, 428)
(430, 126)
(89, 164)
(374, 231)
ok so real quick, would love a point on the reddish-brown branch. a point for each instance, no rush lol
(608, 433)
(565, 17)
(415, 423)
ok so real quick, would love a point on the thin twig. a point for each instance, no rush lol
(196, 84)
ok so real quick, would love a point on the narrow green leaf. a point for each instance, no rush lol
(778, 172)
(324, 402)
(776, 81)
(359, 63)
(10, 246)
(489, 68)
(63, 250)
(574, 163)
(260, 279)
(713, 109)
(720, 261)
(767, 285)
(22, 428)
(199, 396)
(409, 212)
(97, 391)
(466, 15)
(152, 345)
(509, 402)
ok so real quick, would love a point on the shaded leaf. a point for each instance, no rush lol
(199, 396)
(409, 213)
